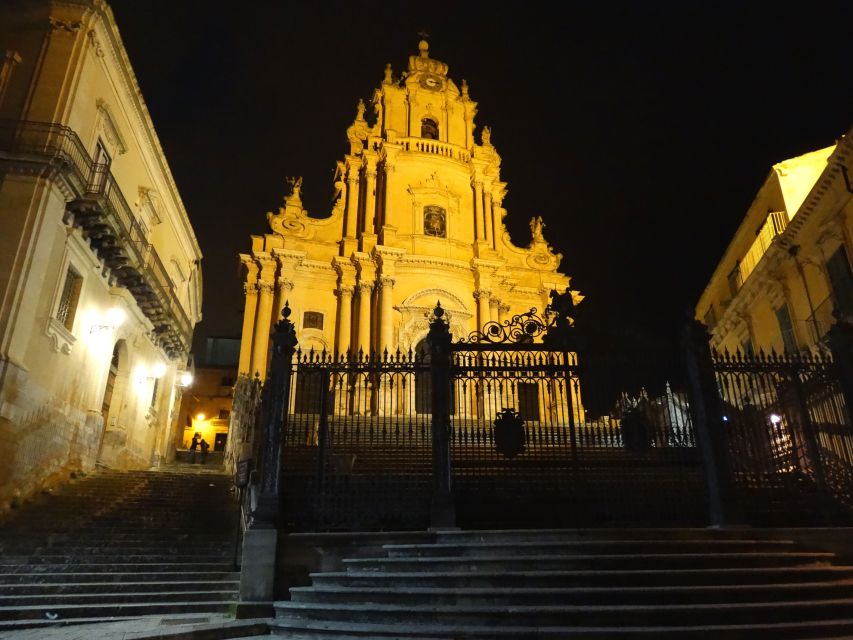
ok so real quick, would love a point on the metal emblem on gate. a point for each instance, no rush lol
(509, 433)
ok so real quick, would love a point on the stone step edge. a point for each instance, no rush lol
(124, 594)
(592, 541)
(578, 572)
(599, 556)
(520, 609)
(235, 580)
(488, 591)
(131, 606)
(249, 627)
(463, 631)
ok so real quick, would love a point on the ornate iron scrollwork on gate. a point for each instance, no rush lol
(522, 327)
(509, 433)
(552, 326)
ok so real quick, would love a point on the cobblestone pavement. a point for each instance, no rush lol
(132, 629)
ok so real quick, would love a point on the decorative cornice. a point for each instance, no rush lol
(67, 27)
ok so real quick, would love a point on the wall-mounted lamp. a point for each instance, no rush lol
(114, 319)
(185, 379)
(157, 371)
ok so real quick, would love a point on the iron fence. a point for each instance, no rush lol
(788, 436)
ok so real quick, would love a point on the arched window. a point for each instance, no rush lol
(429, 129)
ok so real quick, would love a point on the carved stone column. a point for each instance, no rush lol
(503, 311)
(364, 291)
(246, 340)
(494, 307)
(344, 294)
(250, 290)
(497, 221)
(478, 210)
(352, 201)
(284, 286)
(369, 195)
(263, 321)
(482, 297)
(386, 310)
(487, 217)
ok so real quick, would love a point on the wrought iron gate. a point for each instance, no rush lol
(525, 452)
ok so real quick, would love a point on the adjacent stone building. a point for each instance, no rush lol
(786, 275)
(100, 280)
(417, 219)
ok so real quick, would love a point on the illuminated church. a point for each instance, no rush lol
(417, 219)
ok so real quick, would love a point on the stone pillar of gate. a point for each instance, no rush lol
(443, 509)
(260, 536)
(707, 417)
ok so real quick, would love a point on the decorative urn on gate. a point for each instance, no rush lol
(509, 433)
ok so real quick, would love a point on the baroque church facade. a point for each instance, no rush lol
(418, 219)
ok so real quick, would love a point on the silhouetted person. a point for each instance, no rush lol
(204, 447)
(194, 446)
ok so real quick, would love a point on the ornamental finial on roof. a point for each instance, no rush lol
(423, 47)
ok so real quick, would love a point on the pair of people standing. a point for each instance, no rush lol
(198, 443)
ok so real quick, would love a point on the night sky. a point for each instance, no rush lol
(640, 133)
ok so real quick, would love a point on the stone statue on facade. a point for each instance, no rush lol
(536, 227)
(295, 186)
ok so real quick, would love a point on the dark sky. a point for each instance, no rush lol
(639, 132)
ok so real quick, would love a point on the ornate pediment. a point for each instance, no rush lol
(291, 219)
(541, 254)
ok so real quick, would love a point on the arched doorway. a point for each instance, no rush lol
(113, 398)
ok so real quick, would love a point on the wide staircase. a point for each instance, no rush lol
(593, 583)
(117, 545)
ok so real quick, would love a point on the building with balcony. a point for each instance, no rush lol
(786, 274)
(417, 219)
(100, 280)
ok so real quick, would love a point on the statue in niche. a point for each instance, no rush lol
(435, 221)
(536, 226)
(486, 136)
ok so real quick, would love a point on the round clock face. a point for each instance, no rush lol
(429, 81)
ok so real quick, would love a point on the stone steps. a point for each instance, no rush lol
(530, 596)
(581, 561)
(571, 547)
(116, 545)
(88, 588)
(125, 609)
(350, 631)
(72, 577)
(591, 577)
(626, 583)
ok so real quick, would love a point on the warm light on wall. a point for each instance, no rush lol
(199, 416)
(158, 370)
(113, 319)
(185, 379)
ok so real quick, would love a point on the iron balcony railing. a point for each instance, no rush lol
(59, 146)
(774, 225)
